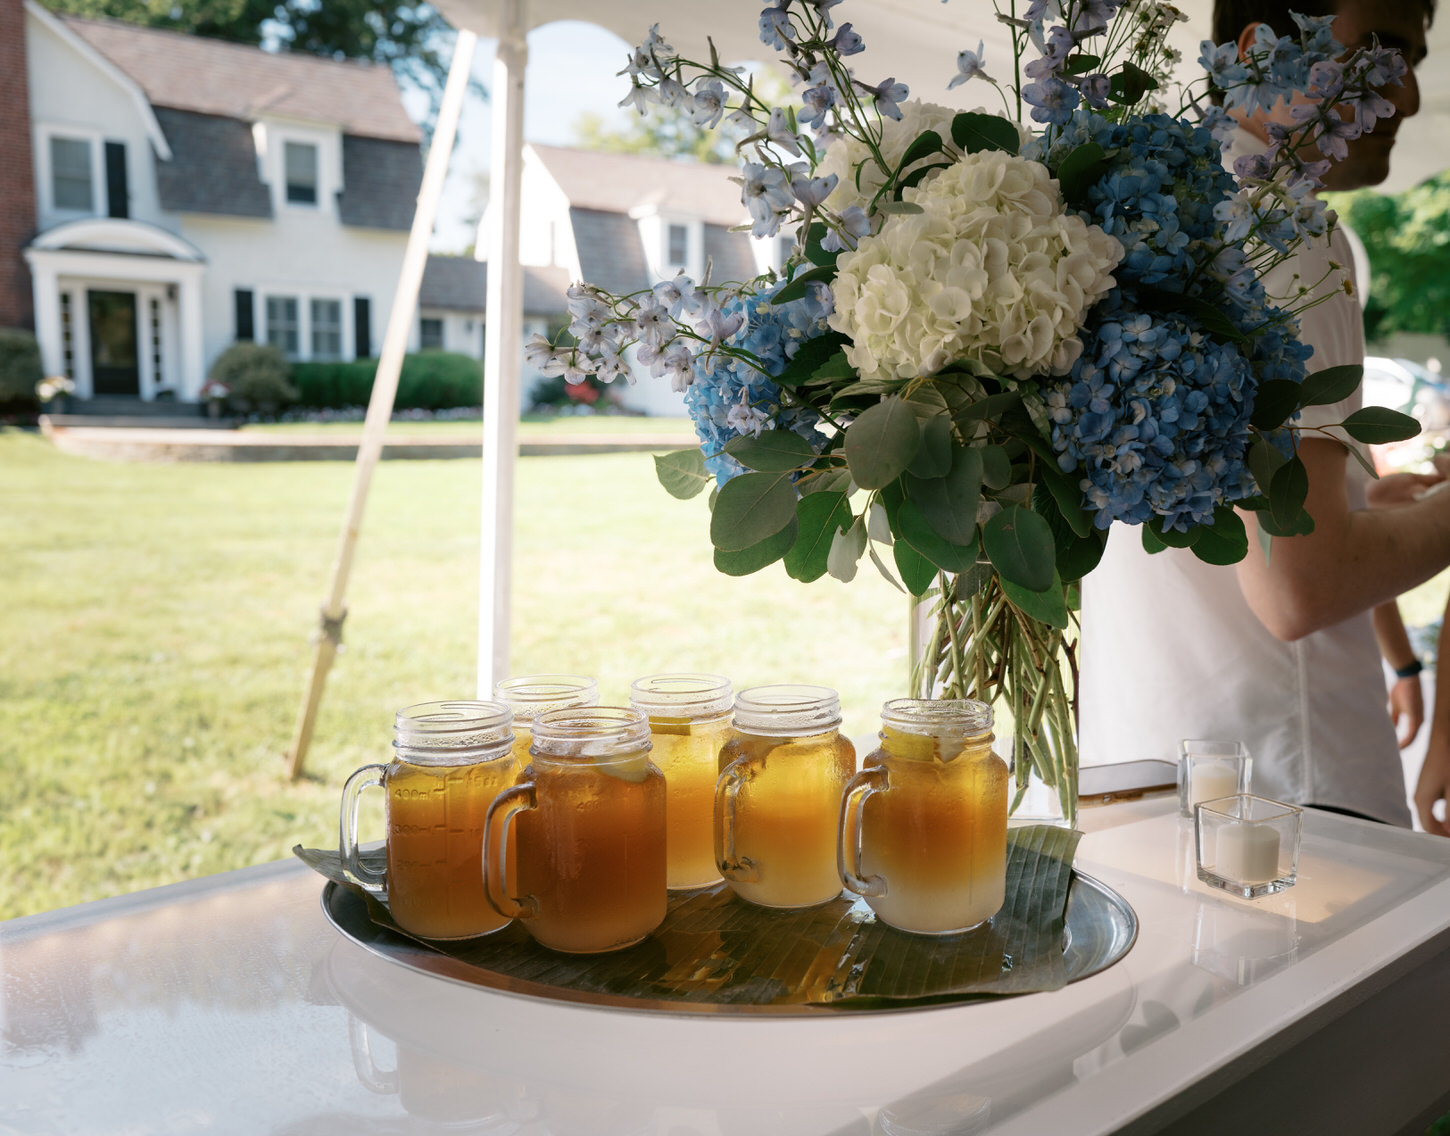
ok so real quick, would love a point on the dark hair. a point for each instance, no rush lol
(1231, 17)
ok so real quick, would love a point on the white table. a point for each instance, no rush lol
(229, 1005)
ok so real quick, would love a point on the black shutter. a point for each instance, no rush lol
(362, 327)
(117, 191)
(246, 319)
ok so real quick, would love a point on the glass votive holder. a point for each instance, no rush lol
(1209, 769)
(1247, 845)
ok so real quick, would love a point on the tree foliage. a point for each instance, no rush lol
(412, 39)
(1407, 237)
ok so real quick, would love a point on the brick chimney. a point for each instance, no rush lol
(17, 169)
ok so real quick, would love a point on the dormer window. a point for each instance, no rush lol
(300, 160)
(71, 184)
(677, 254)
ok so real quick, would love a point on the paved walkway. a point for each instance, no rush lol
(152, 444)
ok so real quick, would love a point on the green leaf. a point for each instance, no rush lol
(819, 518)
(918, 175)
(1020, 546)
(1151, 544)
(934, 458)
(750, 508)
(1226, 541)
(949, 503)
(916, 532)
(927, 143)
(1067, 492)
(809, 357)
(996, 467)
(1047, 605)
(973, 132)
(682, 472)
(917, 572)
(868, 387)
(836, 367)
(744, 561)
(1081, 170)
(881, 443)
(772, 452)
(1080, 63)
(1130, 83)
(814, 252)
(1287, 493)
(1376, 425)
(1264, 460)
(825, 273)
(1081, 555)
(1172, 538)
(834, 480)
(902, 208)
(1333, 384)
(1274, 401)
(990, 407)
(1302, 525)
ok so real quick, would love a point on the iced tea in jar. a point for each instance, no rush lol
(924, 825)
(450, 760)
(589, 815)
(778, 799)
(531, 695)
(689, 721)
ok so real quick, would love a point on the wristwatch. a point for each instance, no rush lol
(1410, 669)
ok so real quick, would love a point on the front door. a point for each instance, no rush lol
(115, 361)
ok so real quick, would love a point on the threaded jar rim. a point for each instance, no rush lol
(452, 732)
(954, 717)
(686, 694)
(787, 708)
(532, 695)
(590, 732)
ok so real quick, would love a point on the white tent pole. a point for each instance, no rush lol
(503, 350)
(385, 388)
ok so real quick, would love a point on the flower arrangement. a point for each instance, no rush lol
(54, 387)
(1000, 332)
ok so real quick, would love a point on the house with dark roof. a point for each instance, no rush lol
(626, 222)
(189, 193)
(451, 304)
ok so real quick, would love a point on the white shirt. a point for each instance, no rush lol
(1171, 650)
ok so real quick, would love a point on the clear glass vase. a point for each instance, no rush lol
(969, 640)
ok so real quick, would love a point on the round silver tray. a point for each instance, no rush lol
(1101, 928)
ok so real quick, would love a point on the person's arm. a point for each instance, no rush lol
(1351, 562)
(1406, 698)
(1434, 783)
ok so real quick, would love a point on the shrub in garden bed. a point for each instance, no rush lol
(254, 375)
(20, 370)
(430, 380)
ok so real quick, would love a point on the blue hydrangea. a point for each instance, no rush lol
(724, 385)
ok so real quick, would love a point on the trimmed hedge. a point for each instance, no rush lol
(20, 367)
(430, 380)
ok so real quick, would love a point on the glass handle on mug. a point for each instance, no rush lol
(495, 852)
(732, 865)
(848, 843)
(361, 779)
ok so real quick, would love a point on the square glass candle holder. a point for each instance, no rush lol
(1209, 769)
(1247, 845)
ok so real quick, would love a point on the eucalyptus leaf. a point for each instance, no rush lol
(996, 467)
(903, 208)
(1376, 425)
(927, 143)
(1081, 555)
(1301, 525)
(926, 400)
(750, 508)
(1274, 401)
(1130, 83)
(1333, 384)
(1287, 493)
(974, 131)
(916, 532)
(1172, 538)
(881, 443)
(1080, 63)
(949, 503)
(1019, 543)
(815, 252)
(810, 357)
(833, 480)
(744, 561)
(846, 550)
(1082, 169)
(934, 457)
(886, 573)
(682, 472)
(917, 572)
(772, 451)
(824, 273)
(1264, 460)
(1224, 542)
(819, 518)
(920, 174)
(868, 387)
(836, 367)
(1151, 544)
(991, 406)
(1049, 605)
(1067, 492)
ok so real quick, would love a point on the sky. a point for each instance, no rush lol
(588, 55)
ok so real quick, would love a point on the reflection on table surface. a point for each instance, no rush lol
(230, 1005)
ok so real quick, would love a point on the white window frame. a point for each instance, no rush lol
(304, 297)
(341, 353)
(316, 202)
(45, 175)
(271, 138)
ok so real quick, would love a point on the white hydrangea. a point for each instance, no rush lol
(845, 153)
(991, 270)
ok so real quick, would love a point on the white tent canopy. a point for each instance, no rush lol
(915, 41)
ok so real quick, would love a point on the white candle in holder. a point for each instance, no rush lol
(1247, 853)
(1212, 779)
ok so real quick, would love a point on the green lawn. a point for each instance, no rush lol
(156, 621)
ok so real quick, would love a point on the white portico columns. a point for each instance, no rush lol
(45, 286)
(504, 347)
